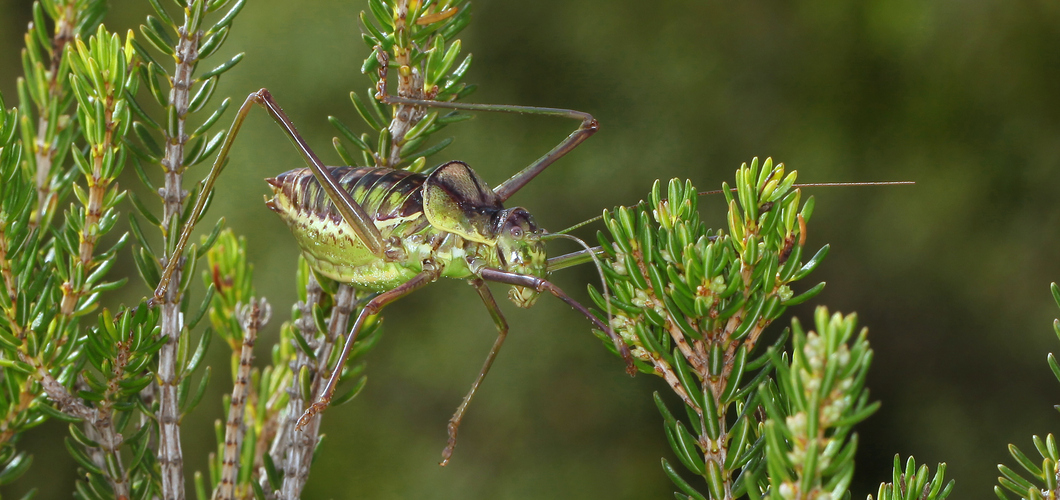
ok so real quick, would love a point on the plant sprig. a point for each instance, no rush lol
(692, 303)
(1036, 478)
(419, 39)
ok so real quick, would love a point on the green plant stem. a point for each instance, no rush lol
(7, 424)
(9, 283)
(44, 152)
(410, 85)
(97, 189)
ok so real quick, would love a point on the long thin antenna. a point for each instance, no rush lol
(808, 184)
(828, 184)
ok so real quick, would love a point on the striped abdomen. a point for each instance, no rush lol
(391, 198)
(384, 194)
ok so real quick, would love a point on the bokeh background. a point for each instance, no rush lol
(950, 275)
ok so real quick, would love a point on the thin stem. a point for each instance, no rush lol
(286, 435)
(97, 190)
(410, 85)
(170, 455)
(718, 450)
(97, 187)
(252, 317)
(300, 453)
(43, 151)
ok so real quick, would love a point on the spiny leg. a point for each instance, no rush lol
(354, 215)
(502, 333)
(542, 285)
(373, 307)
(505, 190)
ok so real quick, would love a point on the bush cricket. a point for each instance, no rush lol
(392, 231)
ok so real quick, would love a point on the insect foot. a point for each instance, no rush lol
(311, 412)
(447, 453)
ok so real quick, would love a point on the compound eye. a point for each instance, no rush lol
(517, 232)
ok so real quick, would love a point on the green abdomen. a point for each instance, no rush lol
(393, 200)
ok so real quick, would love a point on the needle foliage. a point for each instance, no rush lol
(751, 412)
(693, 303)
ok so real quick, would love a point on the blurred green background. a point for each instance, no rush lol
(950, 275)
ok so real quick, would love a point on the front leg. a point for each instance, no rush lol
(542, 285)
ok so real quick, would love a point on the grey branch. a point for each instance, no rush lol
(170, 455)
(99, 424)
(252, 317)
(300, 454)
(296, 404)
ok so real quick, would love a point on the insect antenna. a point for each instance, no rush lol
(576, 226)
(733, 189)
(826, 184)
(596, 262)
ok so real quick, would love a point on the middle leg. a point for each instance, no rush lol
(543, 285)
(502, 333)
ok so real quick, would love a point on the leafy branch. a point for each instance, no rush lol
(692, 305)
(419, 39)
(1039, 478)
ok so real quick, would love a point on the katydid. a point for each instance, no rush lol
(393, 231)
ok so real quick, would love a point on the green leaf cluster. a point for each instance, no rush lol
(692, 303)
(418, 39)
(45, 96)
(1037, 478)
(912, 483)
(52, 273)
(100, 79)
(102, 378)
(119, 352)
(812, 406)
(17, 203)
